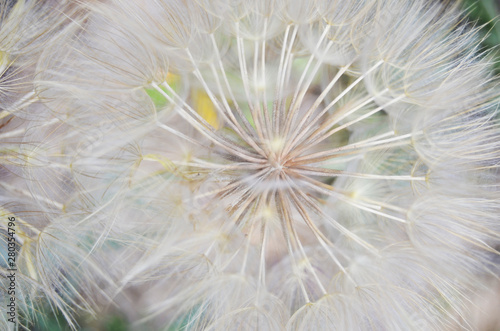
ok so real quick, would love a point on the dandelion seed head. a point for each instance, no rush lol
(261, 165)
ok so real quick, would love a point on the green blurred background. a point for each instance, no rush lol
(486, 12)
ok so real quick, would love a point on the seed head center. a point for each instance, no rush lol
(275, 163)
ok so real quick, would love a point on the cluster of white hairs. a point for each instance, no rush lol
(248, 165)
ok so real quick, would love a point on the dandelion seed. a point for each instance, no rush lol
(267, 165)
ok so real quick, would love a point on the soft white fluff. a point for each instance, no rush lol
(253, 165)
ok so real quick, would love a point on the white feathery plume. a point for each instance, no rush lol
(269, 165)
(52, 265)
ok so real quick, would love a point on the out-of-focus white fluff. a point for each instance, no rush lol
(266, 165)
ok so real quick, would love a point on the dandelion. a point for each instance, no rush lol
(42, 249)
(265, 165)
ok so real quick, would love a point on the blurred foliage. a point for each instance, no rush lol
(56, 322)
(486, 12)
